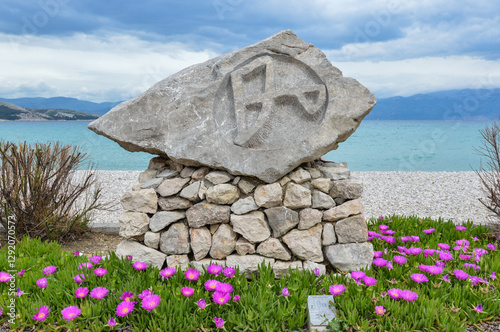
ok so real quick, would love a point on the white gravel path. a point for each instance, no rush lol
(450, 195)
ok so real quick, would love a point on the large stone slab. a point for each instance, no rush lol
(175, 241)
(144, 200)
(351, 256)
(306, 245)
(140, 253)
(252, 226)
(224, 242)
(248, 264)
(133, 224)
(259, 111)
(352, 229)
(202, 214)
(281, 219)
(162, 219)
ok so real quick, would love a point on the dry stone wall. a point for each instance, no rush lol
(310, 218)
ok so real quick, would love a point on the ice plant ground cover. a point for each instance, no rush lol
(428, 275)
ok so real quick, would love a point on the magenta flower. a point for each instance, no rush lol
(81, 292)
(394, 293)
(400, 259)
(129, 257)
(493, 275)
(139, 266)
(429, 231)
(19, 292)
(124, 308)
(111, 322)
(145, 293)
(42, 314)
(95, 259)
(475, 238)
(408, 295)
(476, 280)
(85, 265)
(433, 269)
(419, 278)
(370, 238)
(99, 293)
(479, 308)
(383, 227)
(379, 310)
(460, 275)
(192, 274)
(21, 273)
(444, 246)
(491, 247)
(1, 311)
(356, 275)
(402, 250)
(71, 312)
(405, 239)
(201, 303)
(150, 302)
(214, 269)
(236, 298)
(369, 281)
(429, 252)
(465, 257)
(225, 288)
(336, 289)
(446, 278)
(389, 232)
(76, 253)
(221, 298)
(100, 272)
(389, 265)
(372, 233)
(167, 272)
(377, 254)
(42, 283)
(462, 243)
(49, 270)
(79, 278)
(229, 272)
(211, 285)
(127, 296)
(219, 322)
(316, 272)
(471, 266)
(187, 291)
(461, 228)
(380, 262)
(414, 251)
(388, 239)
(414, 238)
(445, 256)
(285, 292)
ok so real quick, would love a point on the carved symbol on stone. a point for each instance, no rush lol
(270, 102)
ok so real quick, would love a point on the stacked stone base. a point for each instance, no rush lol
(311, 218)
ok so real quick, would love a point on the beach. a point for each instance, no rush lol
(449, 195)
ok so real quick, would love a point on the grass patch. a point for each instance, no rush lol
(441, 305)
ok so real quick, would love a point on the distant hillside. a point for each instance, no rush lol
(468, 104)
(11, 112)
(63, 103)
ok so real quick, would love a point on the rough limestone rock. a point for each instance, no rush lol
(352, 230)
(345, 210)
(222, 194)
(336, 173)
(144, 200)
(133, 224)
(244, 205)
(300, 176)
(329, 236)
(297, 197)
(275, 249)
(187, 172)
(191, 192)
(268, 195)
(152, 240)
(252, 226)
(174, 203)
(347, 189)
(320, 200)
(178, 261)
(306, 245)
(246, 186)
(281, 268)
(140, 253)
(259, 111)
(175, 241)
(201, 242)
(224, 242)
(171, 187)
(351, 256)
(281, 219)
(218, 177)
(248, 264)
(244, 247)
(153, 183)
(322, 184)
(309, 217)
(202, 214)
(147, 175)
(162, 219)
(311, 266)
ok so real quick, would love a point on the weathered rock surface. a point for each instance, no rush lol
(178, 261)
(244, 247)
(244, 205)
(266, 109)
(300, 176)
(222, 194)
(162, 219)
(281, 268)
(152, 240)
(281, 219)
(345, 210)
(329, 236)
(191, 192)
(248, 264)
(336, 173)
(175, 241)
(144, 200)
(140, 253)
(201, 242)
(252, 226)
(171, 187)
(306, 245)
(320, 200)
(311, 266)
(133, 224)
(268, 195)
(275, 249)
(224, 242)
(309, 217)
(352, 229)
(174, 203)
(199, 265)
(352, 256)
(347, 189)
(202, 214)
(297, 197)
(322, 184)
(218, 177)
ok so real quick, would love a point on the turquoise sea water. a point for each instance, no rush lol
(375, 146)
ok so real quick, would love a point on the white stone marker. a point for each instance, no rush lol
(320, 312)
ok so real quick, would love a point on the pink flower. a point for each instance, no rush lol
(219, 322)
(400, 259)
(389, 232)
(493, 276)
(285, 292)
(429, 252)
(124, 308)
(224, 287)
(229, 272)
(336, 289)
(192, 274)
(405, 239)
(491, 247)
(19, 292)
(76, 253)
(419, 277)
(85, 265)
(369, 281)
(316, 272)
(379, 310)
(167, 272)
(414, 251)
(211, 285)
(111, 322)
(42, 283)
(99, 293)
(81, 292)
(49, 270)
(389, 265)
(100, 272)
(408, 295)
(446, 278)
(71, 312)
(214, 269)
(388, 239)
(441, 264)
(221, 298)
(201, 303)
(461, 228)
(380, 262)
(429, 231)
(445, 256)
(79, 278)
(433, 269)
(42, 313)
(21, 273)
(443, 246)
(465, 257)
(127, 296)
(236, 298)
(95, 259)
(475, 238)
(145, 293)
(357, 274)
(187, 291)
(377, 254)
(414, 238)
(471, 266)
(129, 257)
(139, 266)
(479, 308)
(394, 293)
(402, 250)
(460, 275)
(150, 302)
(383, 227)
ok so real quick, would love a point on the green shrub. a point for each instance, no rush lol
(40, 192)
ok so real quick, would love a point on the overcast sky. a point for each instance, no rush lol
(110, 50)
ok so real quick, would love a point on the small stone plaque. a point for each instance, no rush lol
(320, 312)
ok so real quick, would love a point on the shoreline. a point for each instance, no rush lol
(449, 195)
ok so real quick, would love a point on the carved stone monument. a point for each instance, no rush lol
(239, 180)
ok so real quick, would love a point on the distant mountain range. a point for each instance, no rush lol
(11, 112)
(467, 104)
